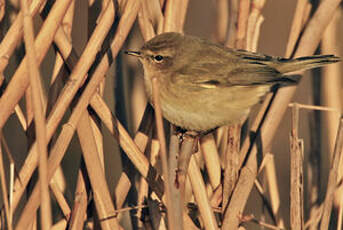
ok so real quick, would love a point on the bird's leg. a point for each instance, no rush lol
(189, 144)
(182, 134)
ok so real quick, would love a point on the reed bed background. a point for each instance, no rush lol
(81, 151)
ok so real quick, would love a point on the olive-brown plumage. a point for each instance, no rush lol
(204, 85)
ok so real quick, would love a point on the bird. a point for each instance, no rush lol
(204, 85)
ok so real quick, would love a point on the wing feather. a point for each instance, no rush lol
(218, 67)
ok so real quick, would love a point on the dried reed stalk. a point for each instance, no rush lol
(140, 161)
(95, 122)
(332, 93)
(47, 28)
(78, 213)
(273, 189)
(123, 182)
(13, 174)
(173, 20)
(61, 200)
(14, 35)
(231, 169)
(146, 20)
(261, 223)
(150, 17)
(266, 203)
(39, 115)
(296, 178)
(102, 197)
(233, 12)
(88, 94)
(248, 27)
(128, 145)
(65, 99)
(177, 191)
(19, 82)
(173, 221)
(242, 21)
(297, 26)
(184, 157)
(2, 9)
(254, 23)
(174, 15)
(200, 195)
(4, 192)
(222, 15)
(307, 45)
(210, 154)
(142, 139)
(60, 225)
(332, 181)
(59, 72)
(340, 214)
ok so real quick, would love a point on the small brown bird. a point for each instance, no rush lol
(204, 85)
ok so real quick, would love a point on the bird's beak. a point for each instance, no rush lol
(134, 53)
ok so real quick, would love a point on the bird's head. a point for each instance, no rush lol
(163, 53)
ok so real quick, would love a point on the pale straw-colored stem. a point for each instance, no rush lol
(67, 131)
(14, 35)
(273, 189)
(261, 223)
(210, 154)
(150, 19)
(231, 163)
(340, 214)
(2, 9)
(222, 20)
(127, 144)
(80, 70)
(308, 43)
(297, 26)
(332, 95)
(200, 195)
(145, 22)
(333, 175)
(20, 81)
(13, 174)
(39, 115)
(4, 191)
(79, 210)
(243, 15)
(60, 71)
(60, 225)
(61, 200)
(315, 107)
(174, 15)
(296, 177)
(103, 202)
(256, 34)
(233, 17)
(173, 223)
(254, 23)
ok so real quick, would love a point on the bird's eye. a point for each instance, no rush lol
(158, 58)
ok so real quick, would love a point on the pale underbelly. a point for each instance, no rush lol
(210, 108)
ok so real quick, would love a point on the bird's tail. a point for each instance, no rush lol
(303, 63)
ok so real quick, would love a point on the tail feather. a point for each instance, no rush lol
(303, 63)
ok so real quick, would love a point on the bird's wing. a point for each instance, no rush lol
(242, 70)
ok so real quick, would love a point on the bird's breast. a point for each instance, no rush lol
(203, 109)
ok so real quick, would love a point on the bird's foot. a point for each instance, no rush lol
(182, 134)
